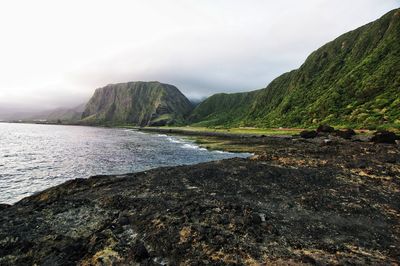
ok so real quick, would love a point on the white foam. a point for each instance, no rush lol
(223, 152)
(193, 146)
(134, 130)
(173, 140)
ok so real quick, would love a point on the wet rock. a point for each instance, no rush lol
(384, 136)
(308, 134)
(325, 129)
(345, 134)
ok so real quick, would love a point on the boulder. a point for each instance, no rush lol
(384, 136)
(308, 134)
(325, 129)
(346, 133)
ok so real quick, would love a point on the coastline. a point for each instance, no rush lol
(296, 201)
(221, 140)
(140, 172)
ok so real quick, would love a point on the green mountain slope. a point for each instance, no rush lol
(223, 109)
(138, 103)
(351, 81)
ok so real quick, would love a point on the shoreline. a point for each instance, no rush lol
(224, 133)
(296, 201)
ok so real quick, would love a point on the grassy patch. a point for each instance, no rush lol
(240, 130)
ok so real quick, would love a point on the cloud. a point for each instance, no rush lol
(55, 53)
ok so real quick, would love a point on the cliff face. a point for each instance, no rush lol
(138, 103)
(353, 80)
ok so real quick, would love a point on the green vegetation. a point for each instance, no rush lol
(226, 144)
(238, 131)
(137, 103)
(223, 109)
(353, 81)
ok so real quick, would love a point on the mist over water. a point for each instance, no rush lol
(36, 157)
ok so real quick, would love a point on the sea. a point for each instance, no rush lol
(34, 157)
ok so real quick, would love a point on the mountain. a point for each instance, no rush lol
(138, 103)
(351, 81)
(223, 109)
(68, 115)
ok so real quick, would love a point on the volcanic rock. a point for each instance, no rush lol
(384, 136)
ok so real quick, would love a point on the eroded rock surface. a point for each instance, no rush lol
(297, 202)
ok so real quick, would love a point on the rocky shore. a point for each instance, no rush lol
(297, 201)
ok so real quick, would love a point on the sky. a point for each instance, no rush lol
(56, 53)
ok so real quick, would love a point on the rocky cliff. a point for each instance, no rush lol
(138, 103)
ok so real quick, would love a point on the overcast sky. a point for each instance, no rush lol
(55, 53)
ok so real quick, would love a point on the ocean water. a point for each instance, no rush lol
(36, 157)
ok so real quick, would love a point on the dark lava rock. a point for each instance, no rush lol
(326, 205)
(384, 136)
(392, 159)
(346, 133)
(123, 219)
(4, 206)
(308, 134)
(325, 129)
(140, 252)
(254, 219)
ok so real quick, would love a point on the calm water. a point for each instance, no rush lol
(35, 157)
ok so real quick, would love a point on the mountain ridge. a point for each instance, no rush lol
(351, 81)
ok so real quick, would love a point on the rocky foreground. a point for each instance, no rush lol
(296, 202)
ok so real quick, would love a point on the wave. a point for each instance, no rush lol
(134, 131)
(223, 152)
(193, 146)
(173, 140)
